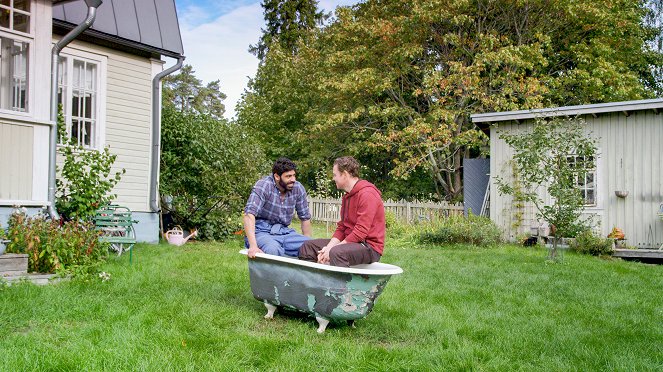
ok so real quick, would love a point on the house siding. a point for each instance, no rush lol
(128, 124)
(16, 160)
(629, 150)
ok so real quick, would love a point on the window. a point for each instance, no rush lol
(78, 93)
(585, 177)
(15, 40)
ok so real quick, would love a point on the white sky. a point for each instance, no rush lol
(216, 37)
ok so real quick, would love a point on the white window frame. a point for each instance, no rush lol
(583, 188)
(98, 141)
(26, 37)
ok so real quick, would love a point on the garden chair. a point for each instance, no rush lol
(116, 227)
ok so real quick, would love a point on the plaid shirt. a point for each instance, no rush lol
(265, 202)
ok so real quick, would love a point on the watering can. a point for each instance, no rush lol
(175, 236)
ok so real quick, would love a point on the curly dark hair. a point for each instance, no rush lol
(348, 164)
(282, 165)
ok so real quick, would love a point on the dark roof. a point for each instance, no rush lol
(143, 25)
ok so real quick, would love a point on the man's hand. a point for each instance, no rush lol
(253, 251)
(323, 255)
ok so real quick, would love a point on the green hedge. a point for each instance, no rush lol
(458, 229)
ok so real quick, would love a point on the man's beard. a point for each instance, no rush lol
(286, 186)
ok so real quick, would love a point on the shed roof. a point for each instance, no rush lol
(149, 26)
(595, 109)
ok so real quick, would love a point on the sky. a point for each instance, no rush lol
(216, 35)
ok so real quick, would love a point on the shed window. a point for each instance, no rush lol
(585, 177)
(78, 93)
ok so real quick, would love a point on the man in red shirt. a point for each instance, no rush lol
(359, 235)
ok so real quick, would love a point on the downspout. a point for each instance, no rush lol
(53, 132)
(156, 132)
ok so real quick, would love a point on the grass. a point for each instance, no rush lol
(454, 308)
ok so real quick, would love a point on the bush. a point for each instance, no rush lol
(208, 167)
(588, 243)
(458, 229)
(85, 180)
(71, 248)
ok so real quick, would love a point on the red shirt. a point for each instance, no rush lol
(362, 217)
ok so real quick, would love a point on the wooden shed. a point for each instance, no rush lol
(625, 189)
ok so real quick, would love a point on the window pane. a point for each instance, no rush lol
(589, 198)
(5, 2)
(90, 75)
(21, 22)
(13, 74)
(4, 18)
(75, 132)
(78, 73)
(87, 101)
(87, 136)
(21, 4)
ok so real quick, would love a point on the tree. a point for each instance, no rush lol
(399, 80)
(208, 167)
(187, 93)
(552, 158)
(288, 21)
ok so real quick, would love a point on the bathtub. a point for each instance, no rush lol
(330, 293)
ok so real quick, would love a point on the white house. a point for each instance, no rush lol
(626, 188)
(108, 83)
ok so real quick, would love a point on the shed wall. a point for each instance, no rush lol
(630, 152)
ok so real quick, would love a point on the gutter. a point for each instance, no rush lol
(156, 133)
(53, 132)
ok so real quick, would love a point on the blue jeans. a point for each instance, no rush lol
(277, 240)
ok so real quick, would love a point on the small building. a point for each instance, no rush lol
(106, 88)
(625, 189)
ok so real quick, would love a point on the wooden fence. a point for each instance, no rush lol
(329, 210)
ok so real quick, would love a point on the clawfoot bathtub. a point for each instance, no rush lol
(326, 292)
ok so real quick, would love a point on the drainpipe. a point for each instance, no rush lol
(53, 132)
(156, 132)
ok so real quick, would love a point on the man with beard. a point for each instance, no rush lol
(269, 211)
(359, 236)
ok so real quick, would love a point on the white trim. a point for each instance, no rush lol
(625, 106)
(102, 76)
(21, 118)
(376, 268)
(24, 203)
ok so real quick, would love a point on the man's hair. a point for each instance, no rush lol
(282, 165)
(348, 164)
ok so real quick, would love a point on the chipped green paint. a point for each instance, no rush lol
(311, 302)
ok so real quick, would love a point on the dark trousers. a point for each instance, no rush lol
(344, 255)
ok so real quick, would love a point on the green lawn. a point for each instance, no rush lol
(454, 308)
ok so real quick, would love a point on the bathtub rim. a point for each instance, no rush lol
(376, 268)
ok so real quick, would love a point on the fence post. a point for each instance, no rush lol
(408, 212)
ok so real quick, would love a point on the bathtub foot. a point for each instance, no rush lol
(323, 324)
(351, 323)
(270, 310)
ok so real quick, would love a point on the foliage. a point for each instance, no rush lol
(288, 21)
(187, 93)
(476, 230)
(86, 178)
(541, 157)
(72, 248)
(399, 80)
(588, 243)
(208, 166)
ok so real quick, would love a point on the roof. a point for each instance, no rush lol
(595, 109)
(145, 25)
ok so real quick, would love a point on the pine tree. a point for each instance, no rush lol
(287, 21)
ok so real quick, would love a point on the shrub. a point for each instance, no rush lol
(473, 229)
(208, 167)
(86, 179)
(588, 243)
(71, 248)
